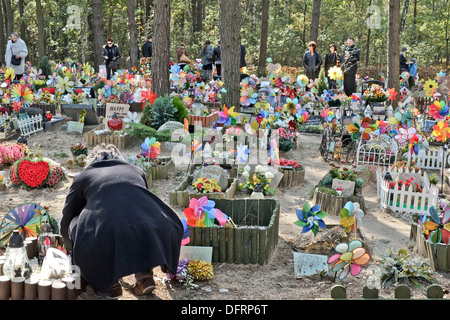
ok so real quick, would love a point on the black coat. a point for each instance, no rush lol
(147, 49)
(331, 60)
(350, 63)
(122, 227)
(312, 73)
(110, 53)
(403, 63)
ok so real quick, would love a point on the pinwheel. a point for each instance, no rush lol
(242, 153)
(131, 117)
(36, 74)
(52, 79)
(437, 229)
(327, 95)
(439, 110)
(109, 88)
(349, 259)
(414, 144)
(26, 218)
(430, 87)
(328, 114)
(402, 116)
(202, 213)
(335, 73)
(361, 128)
(227, 116)
(302, 115)
(381, 126)
(88, 70)
(10, 74)
(20, 93)
(351, 216)
(148, 96)
(274, 150)
(186, 125)
(440, 75)
(64, 84)
(405, 135)
(151, 148)
(302, 80)
(248, 97)
(186, 233)
(441, 131)
(310, 218)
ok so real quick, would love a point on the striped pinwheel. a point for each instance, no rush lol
(437, 229)
(361, 128)
(310, 218)
(20, 93)
(349, 259)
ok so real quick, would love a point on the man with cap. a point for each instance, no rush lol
(404, 64)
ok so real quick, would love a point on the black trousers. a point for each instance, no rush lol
(349, 83)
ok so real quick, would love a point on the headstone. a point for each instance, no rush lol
(278, 176)
(171, 126)
(306, 264)
(120, 109)
(196, 253)
(213, 172)
(75, 126)
(348, 187)
(74, 110)
(314, 121)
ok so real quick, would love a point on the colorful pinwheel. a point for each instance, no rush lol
(242, 153)
(227, 116)
(186, 233)
(361, 128)
(441, 131)
(430, 87)
(202, 213)
(439, 110)
(351, 216)
(302, 80)
(328, 114)
(310, 218)
(405, 135)
(20, 93)
(151, 148)
(437, 229)
(381, 126)
(349, 259)
(302, 115)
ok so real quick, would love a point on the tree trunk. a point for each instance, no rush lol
(22, 22)
(393, 45)
(41, 31)
(404, 14)
(133, 34)
(98, 31)
(314, 32)
(263, 43)
(230, 44)
(161, 47)
(9, 17)
(2, 35)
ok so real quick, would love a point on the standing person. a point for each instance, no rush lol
(217, 60)
(147, 47)
(349, 63)
(207, 55)
(111, 55)
(243, 54)
(312, 61)
(114, 226)
(182, 56)
(404, 63)
(16, 52)
(331, 60)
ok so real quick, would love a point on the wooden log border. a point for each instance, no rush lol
(291, 178)
(252, 241)
(333, 204)
(121, 142)
(206, 121)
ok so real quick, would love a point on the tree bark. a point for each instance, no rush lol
(40, 27)
(230, 44)
(263, 42)
(2, 35)
(8, 17)
(98, 31)
(393, 45)
(22, 22)
(314, 31)
(161, 47)
(133, 33)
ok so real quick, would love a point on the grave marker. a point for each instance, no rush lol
(306, 264)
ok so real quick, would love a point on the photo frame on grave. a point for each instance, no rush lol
(74, 110)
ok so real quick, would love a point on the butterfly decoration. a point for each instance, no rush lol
(436, 229)
(439, 110)
(441, 131)
(311, 218)
(151, 148)
(351, 216)
(22, 94)
(349, 259)
(361, 128)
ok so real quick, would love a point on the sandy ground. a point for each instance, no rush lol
(275, 280)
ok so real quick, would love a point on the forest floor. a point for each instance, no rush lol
(275, 280)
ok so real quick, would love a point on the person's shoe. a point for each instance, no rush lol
(112, 293)
(144, 286)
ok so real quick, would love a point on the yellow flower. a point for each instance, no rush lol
(335, 73)
(430, 87)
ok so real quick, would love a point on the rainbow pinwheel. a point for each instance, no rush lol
(20, 93)
(310, 218)
(351, 216)
(349, 259)
(302, 115)
(151, 148)
(441, 131)
(302, 80)
(227, 116)
(405, 135)
(437, 230)
(328, 114)
(439, 110)
(361, 128)
(202, 213)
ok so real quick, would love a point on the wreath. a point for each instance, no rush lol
(35, 173)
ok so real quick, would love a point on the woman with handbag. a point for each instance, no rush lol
(16, 51)
(207, 55)
(111, 55)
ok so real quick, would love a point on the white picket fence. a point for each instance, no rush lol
(3, 118)
(30, 125)
(405, 199)
(374, 156)
(429, 159)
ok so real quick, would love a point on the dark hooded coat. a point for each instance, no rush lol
(122, 227)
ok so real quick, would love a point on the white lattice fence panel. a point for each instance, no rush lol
(30, 125)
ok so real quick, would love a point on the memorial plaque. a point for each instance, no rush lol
(348, 187)
(196, 253)
(120, 109)
(171, 126)
(306, 264)
(75, 126)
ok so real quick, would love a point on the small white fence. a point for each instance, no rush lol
(405, 199)
(374, 155)
(30, 125)
(3, 118)
(429, 159)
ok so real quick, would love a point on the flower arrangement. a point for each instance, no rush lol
(205, 185)
(343, 173)
(286, 138)
(375, 93)
(189, 271)
(79, 149)
(407, 183)
(261, 176)
(11, 152)
(404, 165)
(33, 173)
(286, 163)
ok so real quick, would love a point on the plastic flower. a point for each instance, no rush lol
(205, 185)
(430, 87)
(392, 94)
(441, 131)
(10, 74)
(242, 153)
(64, 84)
(327, 95)
(149, 96)
(335, 73)
(437, 229)
(310, 218)
(361, 128)
(349, 259)
(439, 110)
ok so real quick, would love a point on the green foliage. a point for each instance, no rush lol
(45, 66)
(161, 111)
(143, 131)
(146, 117)
(321, 84)
(433, 178)
(182, 112)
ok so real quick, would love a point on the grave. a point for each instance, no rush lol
(74, 110)
(171, 126)
(213, 172)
